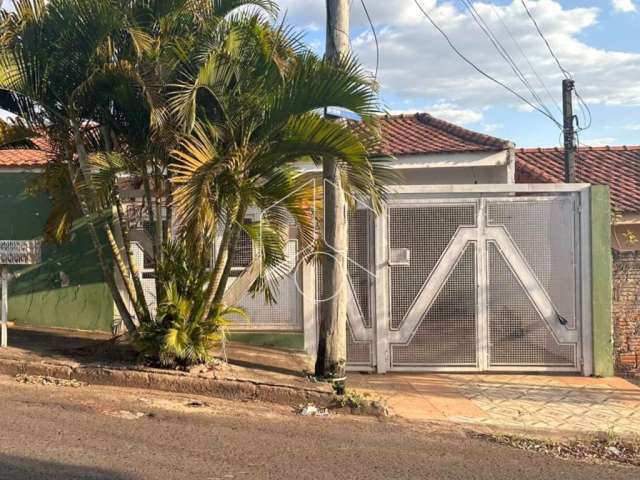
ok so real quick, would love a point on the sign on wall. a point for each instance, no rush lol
(19, 252)
(13, 252)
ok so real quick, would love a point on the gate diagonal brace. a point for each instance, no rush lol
(531, 285)
(438, 277)
(431, 288)
(355, 318)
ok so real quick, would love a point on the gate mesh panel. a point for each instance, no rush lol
(446, 335)
(359, 256)
(281, 315)
(517, 334)
(358, 353)
(425, 231)
(544, 231)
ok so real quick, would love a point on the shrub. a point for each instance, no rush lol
(178, 336)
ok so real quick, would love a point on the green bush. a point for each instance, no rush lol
(177, 336)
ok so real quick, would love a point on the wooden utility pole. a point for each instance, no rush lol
(331, 361)
(569, 132)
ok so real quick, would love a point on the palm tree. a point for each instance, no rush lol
(93, 76)
(250, 111)
(209, 106)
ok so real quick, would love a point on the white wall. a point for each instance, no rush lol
(452, 176)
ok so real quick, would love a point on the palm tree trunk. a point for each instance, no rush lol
(222, 262)
(222, 286)
(122, 269)
(107, 272)
(158, 231)
(137, 292)
(133, 267)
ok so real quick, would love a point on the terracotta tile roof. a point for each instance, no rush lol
(25, 157)
(423, 134)
(618, 167)
(401, 135)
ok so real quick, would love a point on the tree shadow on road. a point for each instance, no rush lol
(21, 468)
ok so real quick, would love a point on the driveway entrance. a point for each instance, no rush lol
(483, 281)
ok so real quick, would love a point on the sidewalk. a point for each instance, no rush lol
(252, 373)
(565, 405)
(546, 403)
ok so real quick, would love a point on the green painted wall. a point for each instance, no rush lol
(290, 340)
(66, 289)
(602, 284)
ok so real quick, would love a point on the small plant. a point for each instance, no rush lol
(178, 335)
(352, 399)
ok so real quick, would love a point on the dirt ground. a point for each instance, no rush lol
(52, 431)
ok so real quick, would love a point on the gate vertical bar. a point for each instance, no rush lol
(381, 317)
(483, 280)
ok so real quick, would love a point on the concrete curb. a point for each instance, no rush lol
(172, 381)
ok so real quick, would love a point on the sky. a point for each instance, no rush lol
(596, 41)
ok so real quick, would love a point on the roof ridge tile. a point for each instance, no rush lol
(461, 132)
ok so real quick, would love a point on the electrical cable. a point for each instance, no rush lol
(375, 36)
(526, 57)
(478, 69)
(581, 103)
(504, 53)
(566, 74)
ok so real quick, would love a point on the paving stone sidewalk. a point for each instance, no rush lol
(562, 404)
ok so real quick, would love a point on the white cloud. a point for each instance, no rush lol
(634, 127)
(625, 6)
(417, 64)
(446, 111)
(492, 127)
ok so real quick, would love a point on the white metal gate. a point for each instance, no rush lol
(475, 283)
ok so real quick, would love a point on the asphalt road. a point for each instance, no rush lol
(58, 432)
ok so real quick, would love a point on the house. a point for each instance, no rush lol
(430, 151)
(66, 289)
(464, 270)
(419, 291)
(619, 168)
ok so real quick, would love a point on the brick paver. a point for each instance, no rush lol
(563, 404)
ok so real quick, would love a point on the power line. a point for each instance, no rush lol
(375, 36)
(581, 103)
(566, 74)
(478, 69)
(583, 107)
(526, 57)
(504, 53)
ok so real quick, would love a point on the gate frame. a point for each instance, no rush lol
(416, 193)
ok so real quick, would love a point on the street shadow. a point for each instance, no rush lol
(268, 359)
(71, 345)
(102, 349)
(22, 468)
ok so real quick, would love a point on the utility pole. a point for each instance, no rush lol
(331, 361)
(569, 132)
